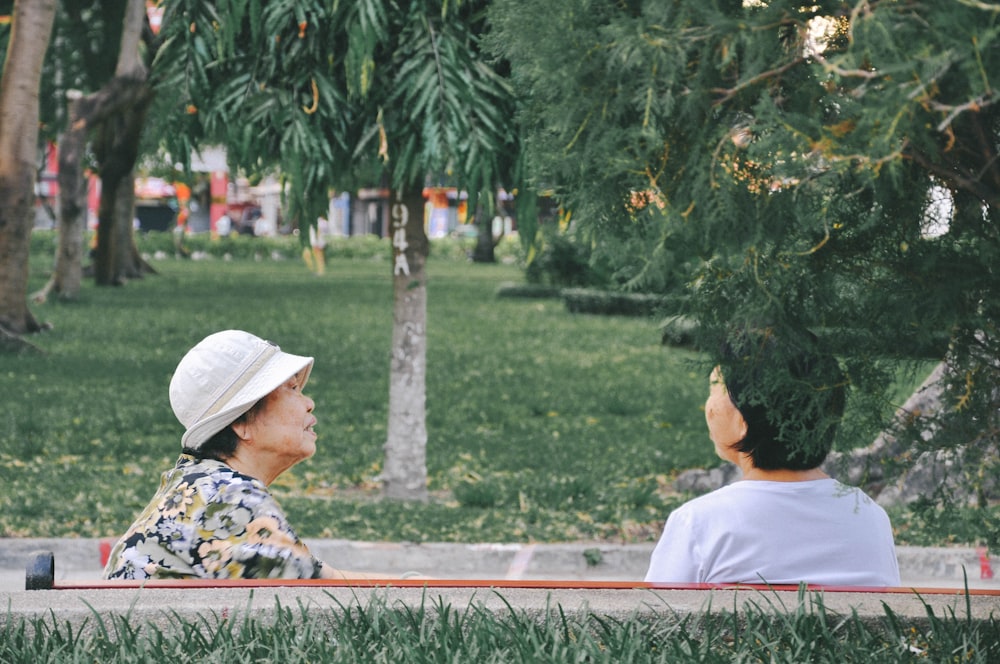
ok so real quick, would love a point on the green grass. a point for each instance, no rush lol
(542, 425)
(439, 632)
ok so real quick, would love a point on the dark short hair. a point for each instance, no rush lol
(222, 445)
(790, 394)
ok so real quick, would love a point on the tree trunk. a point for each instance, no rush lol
(405, 471)
(68, 273)
(117, 149)
(106, 249)
(114, 98)
(29, 38)
(483, 253)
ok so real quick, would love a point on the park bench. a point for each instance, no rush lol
(40, 575)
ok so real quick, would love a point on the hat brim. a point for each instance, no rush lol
(270, 377)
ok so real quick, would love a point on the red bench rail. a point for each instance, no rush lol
(542, 584)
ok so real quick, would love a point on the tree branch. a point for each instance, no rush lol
(950, 175)
(974, 105)
(729, 93)
(118, 93)
(844, 73)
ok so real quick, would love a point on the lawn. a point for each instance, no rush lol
(543, 425)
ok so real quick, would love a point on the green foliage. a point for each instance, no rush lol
(83, 51)
(237, 247)
(679, 331)
(562, 260)
(337, 94)
(160, 245)
(924, 522)
(722, 157)
(433, 631)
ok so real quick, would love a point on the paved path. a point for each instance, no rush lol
(80, 559)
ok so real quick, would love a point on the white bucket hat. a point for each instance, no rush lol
(223, 377)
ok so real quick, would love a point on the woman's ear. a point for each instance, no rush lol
(742, 426)
(736, 426)
(241, 429)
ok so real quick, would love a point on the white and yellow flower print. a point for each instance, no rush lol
(209, 521)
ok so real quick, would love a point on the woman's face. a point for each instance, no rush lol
(726, 425)
(283, 427)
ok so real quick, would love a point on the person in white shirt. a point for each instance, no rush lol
(773, 410)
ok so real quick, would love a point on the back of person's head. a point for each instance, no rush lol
(790, 394)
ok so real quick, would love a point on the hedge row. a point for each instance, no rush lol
(245, 247)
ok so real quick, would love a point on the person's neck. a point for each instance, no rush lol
(245, 465)
(750, 472)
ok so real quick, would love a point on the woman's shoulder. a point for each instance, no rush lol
(749, 490)
(707, 501)
(192, 466)
(212, 476)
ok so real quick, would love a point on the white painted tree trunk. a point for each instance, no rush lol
(404, 474)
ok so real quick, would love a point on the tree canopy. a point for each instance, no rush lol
(337, 94)
(822, 166)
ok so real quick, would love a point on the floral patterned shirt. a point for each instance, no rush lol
(209, 521)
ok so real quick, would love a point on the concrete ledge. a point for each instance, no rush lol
(166, 608)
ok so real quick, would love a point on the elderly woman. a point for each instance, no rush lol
(773, 411)
(247, 421)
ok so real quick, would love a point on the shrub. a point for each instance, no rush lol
(563, 261)
(280, 247)
(590, 301)
(528, 291)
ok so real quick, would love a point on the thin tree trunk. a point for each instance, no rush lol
(483, 253)
(105, 251)
(129, 63)
(405, 471)
(29, 38)
(117, 149)
(129, 263)
(72, 213)
(124, 211)
(67, 276)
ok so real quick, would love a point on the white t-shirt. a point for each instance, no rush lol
(821, 532)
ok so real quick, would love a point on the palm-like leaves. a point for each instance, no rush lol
(327, 92)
